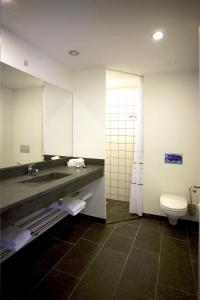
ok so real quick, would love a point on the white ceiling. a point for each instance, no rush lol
(110, 33)
(15, 79)
(121, 80)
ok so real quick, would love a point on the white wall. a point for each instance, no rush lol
(27, 124)
(57, 121)
(170, 125)
(89, 101)
(96, 206)
(89, 98)
(14, 51)
(6, 126)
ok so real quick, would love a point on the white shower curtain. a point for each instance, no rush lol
(136, 193)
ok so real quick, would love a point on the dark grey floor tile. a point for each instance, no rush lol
(100, 280)
(20, 276)
(106, 267)
(75, 231)
(88, 290)
(56, 286)
(176, 251)
(118, 211)
(124, 295)
(167, 293)
(193, 226)
(154, 224)
(126, 230)
(176, 276)
(98, 232)
(119, 243)
(140, 273)
(136, 222)
(177, 232)
(79, 257)
(194, 244)
(148, 239)
(195, 268)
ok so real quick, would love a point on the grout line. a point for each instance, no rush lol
(193, 272)
(63, 272)
(94, 242)
(161, 241)
(173, 238)
(54, 266)
(9, 297)
(90, 264)
(66, 242)
(178, 290)
(126, 261)
(146, 250)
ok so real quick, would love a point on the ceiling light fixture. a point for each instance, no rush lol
(158, 35)
(73, 52)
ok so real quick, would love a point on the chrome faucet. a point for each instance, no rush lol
(32, 171)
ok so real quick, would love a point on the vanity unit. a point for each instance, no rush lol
(25, 199)
(36, 121)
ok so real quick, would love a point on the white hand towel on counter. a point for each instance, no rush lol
(76, 162)
(14, 238)
(69, 204)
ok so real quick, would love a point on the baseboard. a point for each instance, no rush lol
(164, 218)
(94, 219)
(155, 217)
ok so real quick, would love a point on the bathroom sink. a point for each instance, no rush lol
(45, 178)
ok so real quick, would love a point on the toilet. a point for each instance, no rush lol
(173, 206)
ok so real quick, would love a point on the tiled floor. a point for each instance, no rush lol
(118, 211)
(136, 260)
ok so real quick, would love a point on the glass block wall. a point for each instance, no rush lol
(120, 120)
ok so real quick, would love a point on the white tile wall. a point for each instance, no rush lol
(120, 125)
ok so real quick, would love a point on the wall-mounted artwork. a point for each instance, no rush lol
(174, 158)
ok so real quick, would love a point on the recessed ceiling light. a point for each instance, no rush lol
(73, 52)
(158, 35)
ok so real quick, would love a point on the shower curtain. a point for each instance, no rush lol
(136, 193)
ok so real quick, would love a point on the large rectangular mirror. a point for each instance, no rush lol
(35, 118)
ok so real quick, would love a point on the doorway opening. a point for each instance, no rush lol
(121, 98)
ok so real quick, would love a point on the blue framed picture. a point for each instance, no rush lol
(174, 158)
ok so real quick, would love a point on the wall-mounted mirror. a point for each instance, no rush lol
(35, 118)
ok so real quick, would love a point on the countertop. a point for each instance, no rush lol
(14, 193)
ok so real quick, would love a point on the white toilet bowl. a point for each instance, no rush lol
(173, 206)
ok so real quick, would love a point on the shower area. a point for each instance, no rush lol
(121, 114)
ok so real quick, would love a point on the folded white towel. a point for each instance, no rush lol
(55, 157)
(76, 162)
(69, 204)
(14, 238)
(74, 213)
(82, 195)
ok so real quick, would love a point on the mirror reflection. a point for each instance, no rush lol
(35, 119)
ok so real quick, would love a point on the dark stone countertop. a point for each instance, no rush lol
(14, 193)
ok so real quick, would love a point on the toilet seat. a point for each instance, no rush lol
(173, 202)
